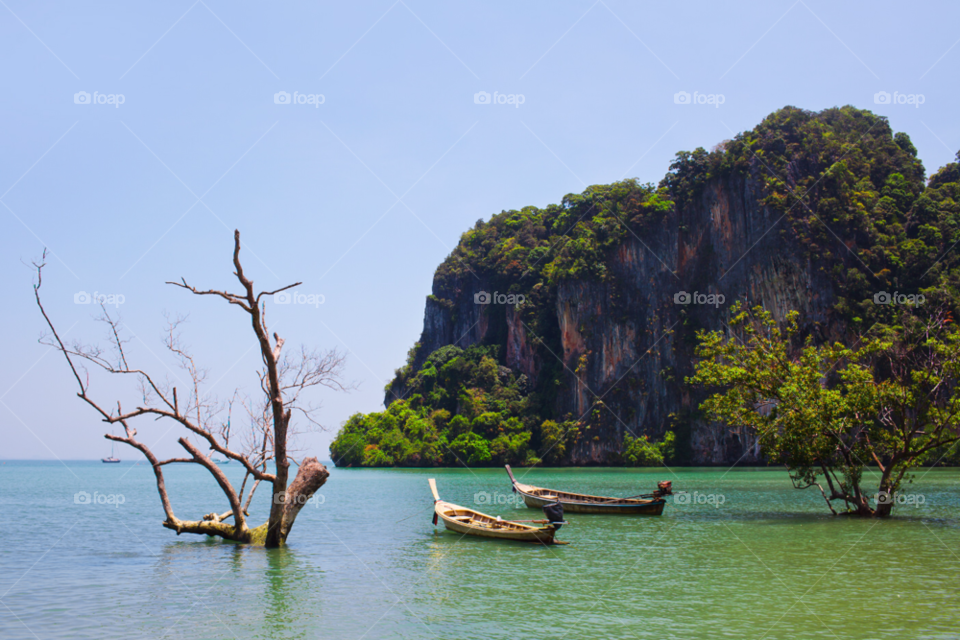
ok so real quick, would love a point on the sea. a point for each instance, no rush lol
(738, 553)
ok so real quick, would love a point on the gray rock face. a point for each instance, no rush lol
(627, 345)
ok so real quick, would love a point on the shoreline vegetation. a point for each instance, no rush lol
(466, 409)
(463, 406)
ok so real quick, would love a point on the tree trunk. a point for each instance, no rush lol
(886, 495)
(863, 507)
(310, 477)
(275, 536)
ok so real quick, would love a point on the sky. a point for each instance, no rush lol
(352, 144)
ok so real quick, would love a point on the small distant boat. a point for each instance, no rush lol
(470, 522)
(648, 504)
(111, 459)
(227, 461)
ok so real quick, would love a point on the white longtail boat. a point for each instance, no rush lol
(470, 522)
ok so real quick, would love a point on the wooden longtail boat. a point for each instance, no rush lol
(470, 522)
(647, 505)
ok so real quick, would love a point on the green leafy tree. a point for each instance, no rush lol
(471, 449)
(641, 452)
(556, 438)
(851, 415)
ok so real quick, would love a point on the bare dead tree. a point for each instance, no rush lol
(283, 380)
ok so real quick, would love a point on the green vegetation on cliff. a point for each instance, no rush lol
(854, 194)
(849, 191)
(463, 407)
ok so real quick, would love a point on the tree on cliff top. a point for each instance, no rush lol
(283, 378)
(834, 411)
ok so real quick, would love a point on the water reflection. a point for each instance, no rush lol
(291, 590)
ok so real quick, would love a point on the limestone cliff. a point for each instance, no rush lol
(808, 212)
(626, 343)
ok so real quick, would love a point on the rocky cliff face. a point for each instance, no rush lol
(626, 344)
(817, 212)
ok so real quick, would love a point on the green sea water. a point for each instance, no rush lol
(747, 556)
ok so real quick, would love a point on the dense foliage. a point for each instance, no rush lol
(848, 190)
(571, 240)
(852, 416)
(854, 195)
(463, 408)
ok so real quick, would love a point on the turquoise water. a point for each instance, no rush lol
(365, 562)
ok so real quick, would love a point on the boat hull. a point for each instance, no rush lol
(542, 535)
(537, 497)
(474, 523)
(653, 508)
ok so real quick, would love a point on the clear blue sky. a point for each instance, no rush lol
(362, 196)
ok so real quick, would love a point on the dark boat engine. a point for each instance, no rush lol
(554, 513)
(664, 488)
